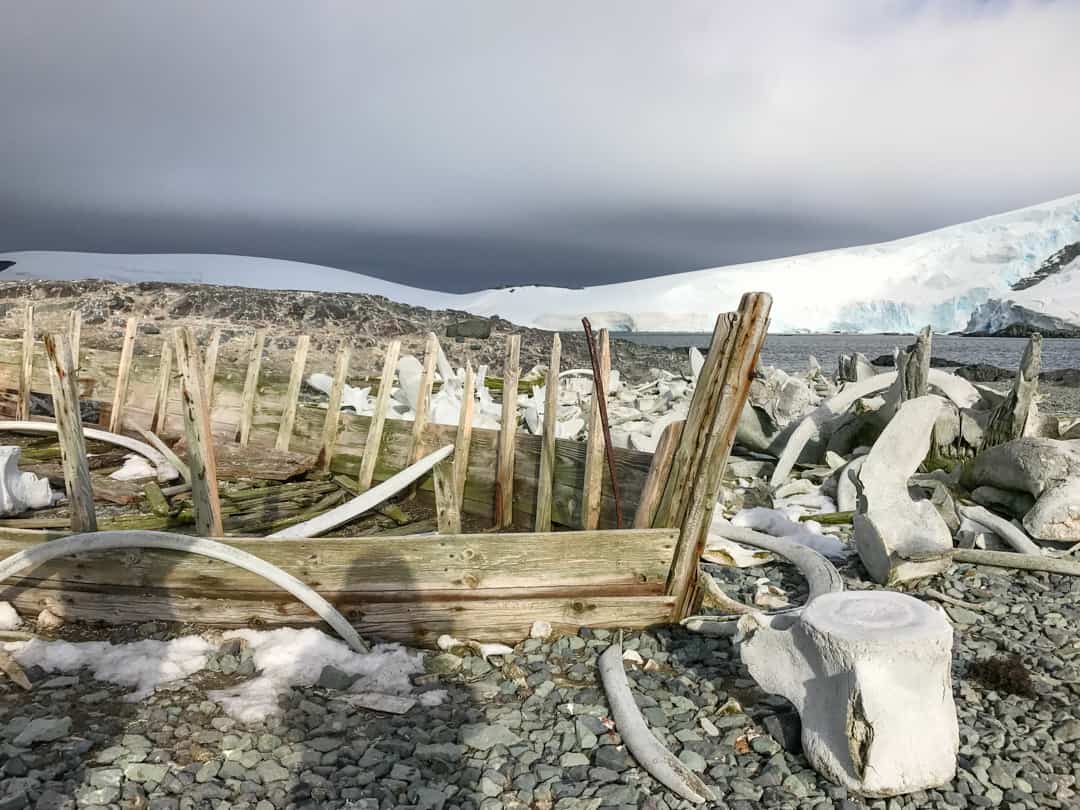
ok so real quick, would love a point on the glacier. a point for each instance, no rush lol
(955, 279)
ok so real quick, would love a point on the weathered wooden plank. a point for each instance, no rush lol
(127, 351)
(453, 567)
(210, 365)
(75, 335)
(27, 367)
(464, 436)
(77, 485)
(740, 355)
(504, 485)
(427, 380)
(251, 385)
(200, 444)
(378, 419)
(161, 397)
(268, 464)
(502, 620)
(296, 378)
(659, 471)
(447, 508)
(546, 476)
(594, 453)
(333, 407)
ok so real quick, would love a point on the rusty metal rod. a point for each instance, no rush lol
(601, 399)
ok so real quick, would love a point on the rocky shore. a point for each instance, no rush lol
(532, 729)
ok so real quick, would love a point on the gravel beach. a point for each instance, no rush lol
(532, 729)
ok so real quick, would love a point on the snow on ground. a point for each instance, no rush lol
(283, 658)
(939, 278)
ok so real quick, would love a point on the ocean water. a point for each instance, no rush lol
(790, 352)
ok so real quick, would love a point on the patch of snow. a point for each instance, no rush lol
(143, 665)
(289, 657)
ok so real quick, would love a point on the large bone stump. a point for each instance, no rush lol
(869, 673)
(897, 538)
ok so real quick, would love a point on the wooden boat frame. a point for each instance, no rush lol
(489, 586)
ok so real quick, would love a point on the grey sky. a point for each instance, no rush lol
(463, 145)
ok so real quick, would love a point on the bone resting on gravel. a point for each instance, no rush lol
(856, 665)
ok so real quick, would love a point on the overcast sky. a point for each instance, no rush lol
(461, 145)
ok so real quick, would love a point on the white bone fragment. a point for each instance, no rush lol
(899, 539)
(720, 551)
(633, 657)
(20, 491)
(955, 388)
(365, 501)
(649, 753)
(9, 619)
(409, 371)
(856, 665)
(770, 596)
(135, 468)
(485, 651)
(697, 362)
(108, 541)
(47, 620)
(165, 471)
(1000, 526)
(540, 629)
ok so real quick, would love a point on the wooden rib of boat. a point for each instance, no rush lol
(489, 586)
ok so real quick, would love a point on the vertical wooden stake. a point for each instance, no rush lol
(75, 335)
(211, 364)
(251, 386)
(546, 480)
(27, 369)
(378, 419)
(736, 367)
(161, 399)
(204, 485)
(333, 407)
(65, 394)
(464, 435)
(127, 349)
(447, 510)
(296, 378)
(423, 401)
(504, 483)
(594, 449)
(659, 470)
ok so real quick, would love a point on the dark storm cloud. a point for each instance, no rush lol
(463, 145)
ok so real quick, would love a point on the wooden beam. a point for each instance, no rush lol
(77, 484)
(740, 355)
(446, 500)
(200, 444)
(75, 335)
(546, 476)
(418, 623)
(333, 407)
(387, 567)
(378, 419)
(659, 471)
(594, 454)
(211, 364)
(464, 436)
(703, 404)
(127, 351)
(251, 385)
(26, 371)
(161, 398)
(423, 401)
(296, 379)
(504, 485)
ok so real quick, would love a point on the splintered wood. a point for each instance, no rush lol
(201, 462)
(594, 453)
(296, 378)
(127, 351)
(251, 386)
(77, 484)
(546, 478)
(378, 420)
(504, 485)
(333, 407)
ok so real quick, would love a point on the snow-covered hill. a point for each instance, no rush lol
(942, 278)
